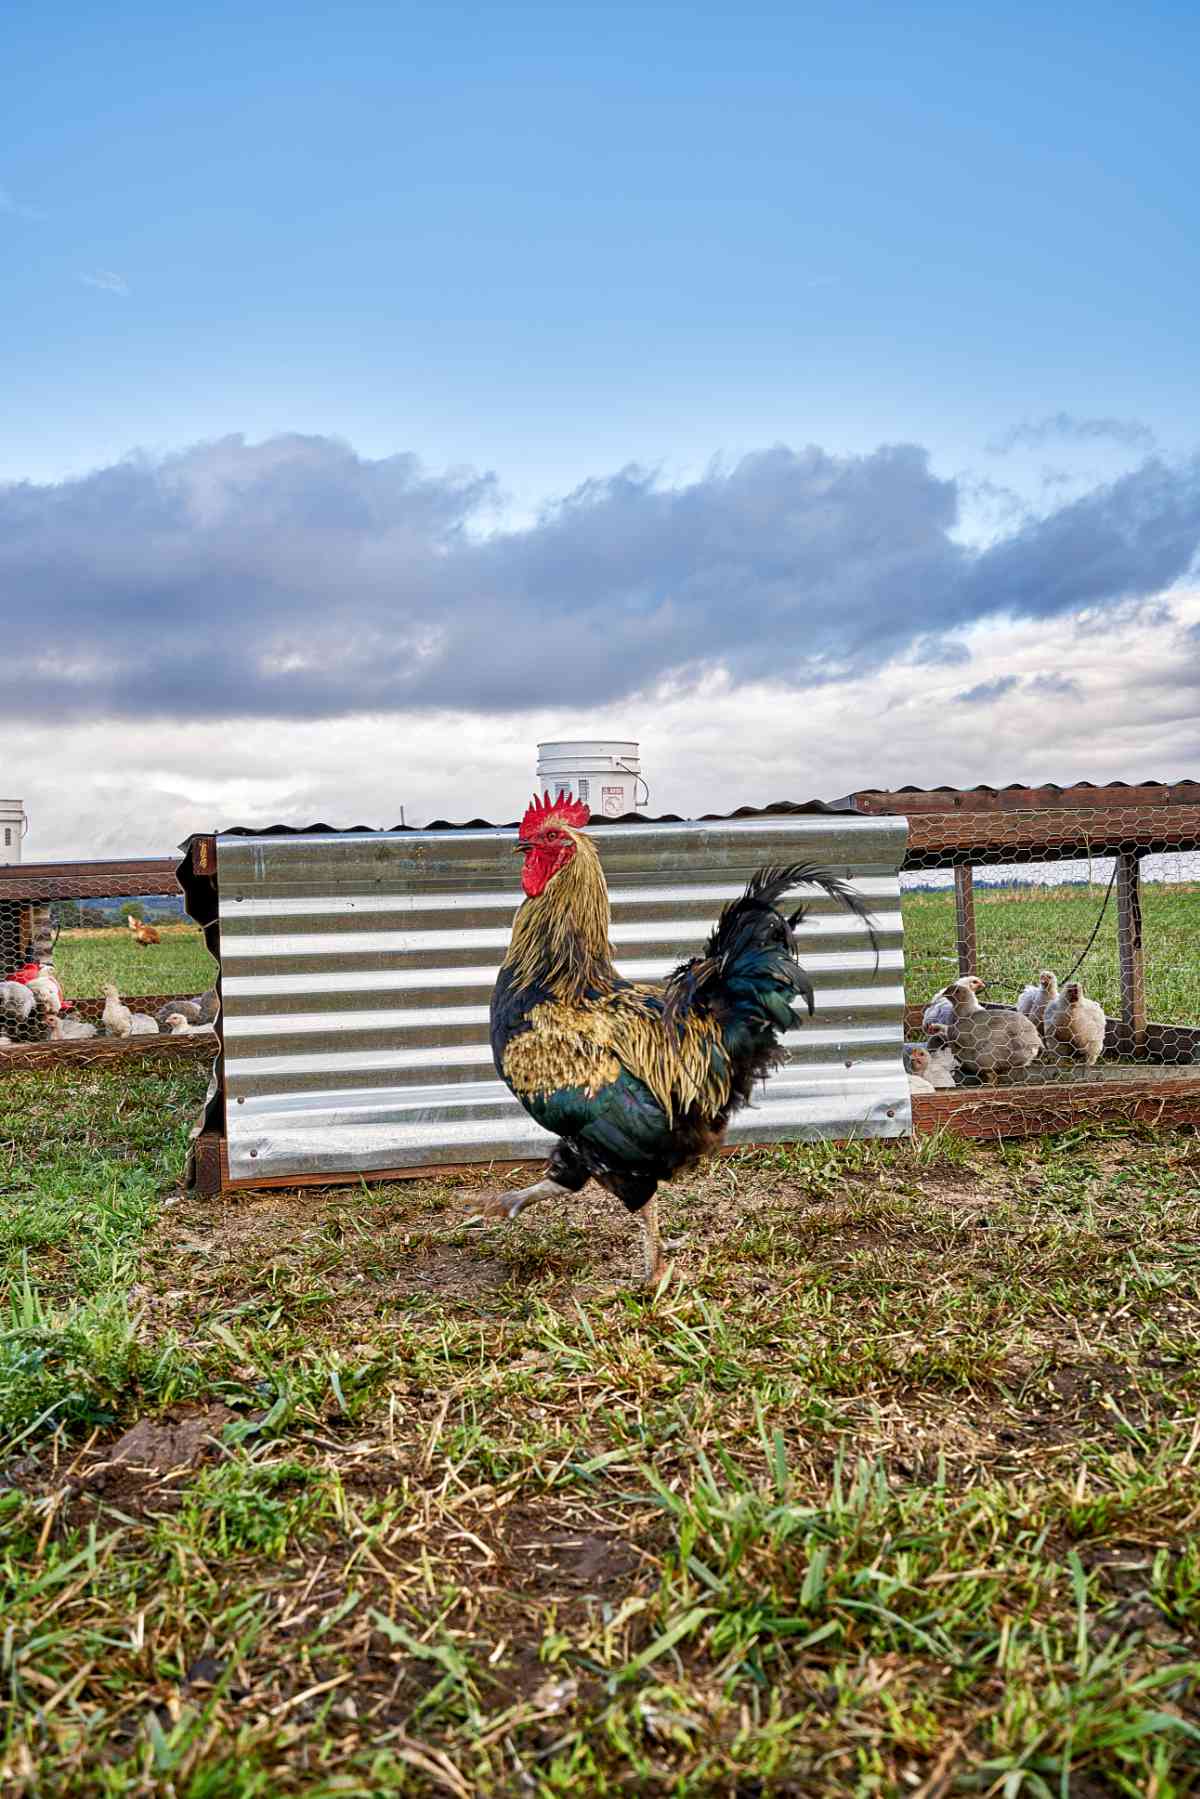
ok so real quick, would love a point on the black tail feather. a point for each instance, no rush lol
(750, 957)
(770, 884)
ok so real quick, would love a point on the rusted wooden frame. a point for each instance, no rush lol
(86, 1050)
(1031, 1111)
(88, 880)
(1130, 949)
(964, 919)
(985, 839)
(913, 804)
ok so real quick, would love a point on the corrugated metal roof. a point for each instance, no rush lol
(1020, 787)
(778, 809)
(357, 971)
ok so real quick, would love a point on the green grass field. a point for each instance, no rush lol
(894, 1490)
(178, 966)
(1023, 930)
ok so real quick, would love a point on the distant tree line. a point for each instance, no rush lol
(99, 914)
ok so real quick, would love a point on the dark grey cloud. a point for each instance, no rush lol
(984, 692)
(1063, 427)
(295, 579)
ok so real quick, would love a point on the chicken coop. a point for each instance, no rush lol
(357, 970)
(1037, 891)
(68, 930)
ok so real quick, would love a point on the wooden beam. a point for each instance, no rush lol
(915, 801)
(944, 839)
(89, 880)
(76, 1051)
(1032, 1111)
(964, 918)
(1129, 947)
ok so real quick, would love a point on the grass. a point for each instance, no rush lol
(893, 1490)
(179, 966)
(1022, 930)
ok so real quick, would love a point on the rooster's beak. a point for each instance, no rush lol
(521, 849)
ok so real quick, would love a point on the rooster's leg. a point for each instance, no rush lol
(654, 1264)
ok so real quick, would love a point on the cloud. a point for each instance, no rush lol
(16, 209)
(1055, 686)
(1063, 427)
(132, 788)
(984, 692)
(107, 282)
(295, 579)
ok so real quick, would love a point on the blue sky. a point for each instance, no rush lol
(551, 239)
(548, 242)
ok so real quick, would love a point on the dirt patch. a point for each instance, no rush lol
(162, 1446)
(576, 1563)
(147, 1465)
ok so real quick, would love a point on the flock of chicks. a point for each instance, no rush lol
(984, 1039)
(34, 1011)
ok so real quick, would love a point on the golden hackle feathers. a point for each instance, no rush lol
(586, 1045)
(562, 933)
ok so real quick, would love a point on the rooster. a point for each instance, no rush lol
(145, 934)
(637, 1080)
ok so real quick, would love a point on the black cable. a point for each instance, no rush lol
(1096, 927)
(1104, 908)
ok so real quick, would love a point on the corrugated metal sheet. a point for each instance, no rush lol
(357, 971)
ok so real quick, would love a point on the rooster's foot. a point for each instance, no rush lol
(511, 1205)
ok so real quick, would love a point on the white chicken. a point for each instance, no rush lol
(116, 1018)
(17, 1003)
(46, 989)
(989, 1042)
(940, 1011)
(1033, 1000)
(178, 1026)
(942, 1065)
(201, 1010)
(916, 1060)
(1074, 1025)
(68, 1030)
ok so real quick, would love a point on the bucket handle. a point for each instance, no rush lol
(638, 781)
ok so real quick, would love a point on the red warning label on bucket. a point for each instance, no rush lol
(612, 801)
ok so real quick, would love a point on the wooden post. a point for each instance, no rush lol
(1129, 948)
(964, 918)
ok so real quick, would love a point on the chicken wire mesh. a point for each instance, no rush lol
(1081, 927)
(64, 955)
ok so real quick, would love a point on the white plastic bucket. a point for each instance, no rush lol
(605, 773)
(13, 824)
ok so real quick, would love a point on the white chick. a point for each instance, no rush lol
(72, 1030)
(1074, 1025)
(17, 1003)
(116, 1018)
(1034, 999)
(942, 1065)
(916, 1060)
(178, 1026)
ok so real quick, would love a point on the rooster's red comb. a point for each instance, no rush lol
(564, 810)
